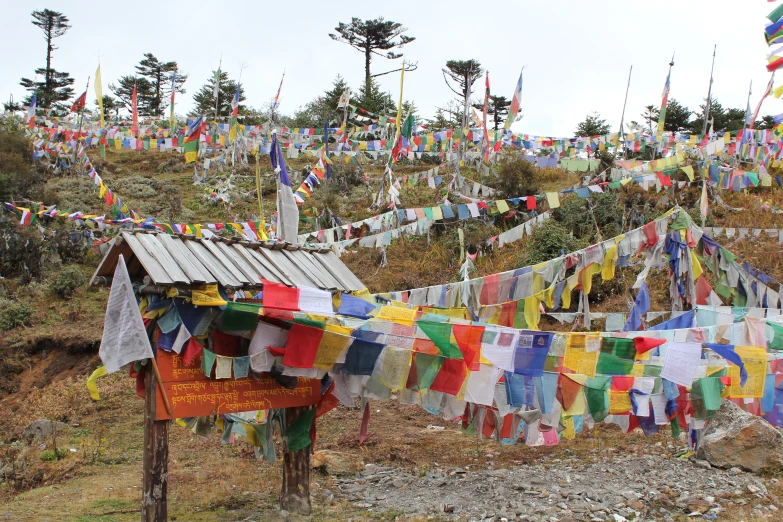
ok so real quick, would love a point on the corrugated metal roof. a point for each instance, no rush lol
(184, 260)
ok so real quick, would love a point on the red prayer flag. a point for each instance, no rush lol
(79, 103)
(469, 342)
(645, 344)
(450, 376)
(302, 345)
(280, 296)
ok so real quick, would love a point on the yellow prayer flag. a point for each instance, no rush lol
(99, 92)
(755, 360)
(395, 314)
(100, 371)
(532, 312)
(688, 170)
(553, 199)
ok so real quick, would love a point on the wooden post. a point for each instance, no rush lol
(295, 493)
(154, 506)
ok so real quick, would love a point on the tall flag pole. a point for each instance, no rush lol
(516, 102)
(193, 138)
(78, 106)
(484, 116)
(709, 94)
(232, 133)
(173, 92)
(216, 90)
(276, 103)
(99, 97)
(135, 111)
(664, 103)
(621, 135)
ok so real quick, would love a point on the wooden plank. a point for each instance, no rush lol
(262, 262)
(215, 267)
(195, 272)
(271, 258)
(109, 262)
(232, 256)
(252, 262)
(299, 276)
(325, 275)
(154, 269)
(155, 249)
(334, 263)
(305, 270)
(221, 258)
(155, 476)
(333, 271)
(295, 492)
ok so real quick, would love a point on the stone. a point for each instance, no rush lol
(42, 429)
(336, 463)
(735, 438)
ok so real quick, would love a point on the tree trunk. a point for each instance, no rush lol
(367, 77)
(295, 494)
(154, 507)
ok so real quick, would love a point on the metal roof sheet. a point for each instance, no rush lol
(185, 260)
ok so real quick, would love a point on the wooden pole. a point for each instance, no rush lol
(154, 504)
(295, 493)
(709, 94)
(622, 117)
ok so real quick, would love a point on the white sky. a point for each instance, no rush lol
(576, 53)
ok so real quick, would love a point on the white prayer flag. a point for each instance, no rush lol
(124, 336)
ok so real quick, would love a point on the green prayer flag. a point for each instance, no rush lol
(777, 340)
(407, 127)
(710, 392)
(241, 316)
(597, 397)
(440, 334)
(427, 368)
(623, 348)
(207, 361)
(609, 364)
(298, 432)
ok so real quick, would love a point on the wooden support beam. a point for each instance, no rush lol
(154, 504)
(295, 493)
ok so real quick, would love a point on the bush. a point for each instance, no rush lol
(53, 455)
(517, 177)
(67, 281)
(550, 240)
(574, 214)
(17, 314)
(17, 177)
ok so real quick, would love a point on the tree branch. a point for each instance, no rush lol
(461, 95)
(409, 67)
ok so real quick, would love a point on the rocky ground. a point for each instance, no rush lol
(621, 488)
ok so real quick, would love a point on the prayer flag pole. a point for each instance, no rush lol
(709, 94)
(622, 117)
(81, 120)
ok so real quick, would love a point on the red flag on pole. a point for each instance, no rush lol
(135, 112)
(79, 103)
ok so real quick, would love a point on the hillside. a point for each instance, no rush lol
(51, 347)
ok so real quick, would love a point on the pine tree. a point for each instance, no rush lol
(144, 93)
(497, 108)
(370, 36)
(593, 125)
(463, 73)
(56, 86)
(204, 99)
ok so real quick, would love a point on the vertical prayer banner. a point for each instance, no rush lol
(755, 360)
(192, 394)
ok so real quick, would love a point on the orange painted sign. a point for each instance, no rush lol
(192, 394)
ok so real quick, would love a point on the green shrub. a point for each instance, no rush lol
(550, 240)
(517, 177)
(17, 314)
(67, 281)
(53, 455)
(17, 177)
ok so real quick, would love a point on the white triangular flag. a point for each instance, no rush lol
(124, 336)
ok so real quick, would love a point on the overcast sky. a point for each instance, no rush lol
(576, 53)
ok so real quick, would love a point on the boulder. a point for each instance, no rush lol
(335, 463)
(41, 430)
(735, 438)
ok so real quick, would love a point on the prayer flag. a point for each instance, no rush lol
(99, 93)
(124, 335)
(516, 100)
(79, 103)
(30, 118)
(664, 104)
(135, 111)
(192, 139)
